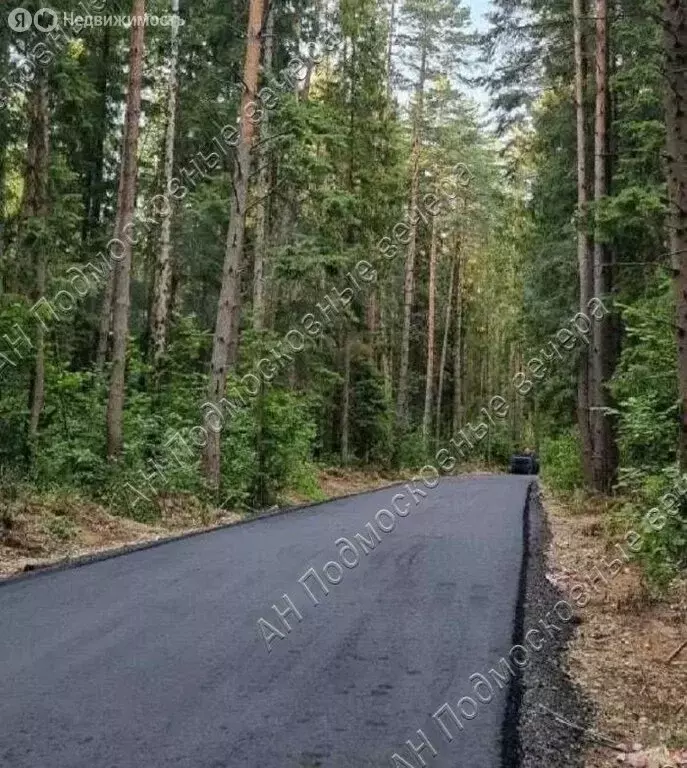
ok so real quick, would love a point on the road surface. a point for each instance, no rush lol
(155, 659)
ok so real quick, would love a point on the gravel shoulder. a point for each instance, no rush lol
(554, 715)
(628, 653)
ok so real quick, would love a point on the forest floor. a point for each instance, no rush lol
(38, 529)
(626, 654)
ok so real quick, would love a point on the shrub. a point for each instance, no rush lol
(654, 507)
(561, 463)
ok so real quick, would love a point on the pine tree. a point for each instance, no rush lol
(126, 201)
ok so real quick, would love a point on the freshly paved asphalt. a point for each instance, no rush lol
(154, 659)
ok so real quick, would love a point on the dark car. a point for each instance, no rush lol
(524, 464)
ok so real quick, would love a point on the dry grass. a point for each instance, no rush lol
(336, 482)
(40, 529)
(621, 652)
(48, 528)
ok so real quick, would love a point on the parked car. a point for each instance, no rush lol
(525, 463)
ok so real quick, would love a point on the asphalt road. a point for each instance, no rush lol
(154, 659)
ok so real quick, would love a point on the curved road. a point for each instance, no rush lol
(155, 659)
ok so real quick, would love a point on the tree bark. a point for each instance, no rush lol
(386, 345)
(105, 322)
(444, 349)
(262, 192)
(126, 201)
(458, 349)
(94, 210)
(602, 352)
(584, 254)
(409, 278)
(429, 371)
(162, 291)
(94, 192)
(4, 140)
(35, 205)
(226, 328)
(346, 398)
(675, 45)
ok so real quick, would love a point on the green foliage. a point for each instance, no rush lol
(560, 461)
(410, 451)
(372, 413)
(645, 383)
(285, 433)
(653, 506)
(498, 445)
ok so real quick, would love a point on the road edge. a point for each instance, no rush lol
(41, 569)
(543, 687)
(510, 747)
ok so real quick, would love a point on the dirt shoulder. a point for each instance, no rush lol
(45, 529)
(624, 655)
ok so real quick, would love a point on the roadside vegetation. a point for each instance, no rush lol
(261, 241)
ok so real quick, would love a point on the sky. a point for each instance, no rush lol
(477, 10)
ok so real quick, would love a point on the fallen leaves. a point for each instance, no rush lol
(658, 757)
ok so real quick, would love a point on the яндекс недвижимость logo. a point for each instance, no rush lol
(47, 19)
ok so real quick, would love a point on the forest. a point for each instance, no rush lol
(241, 241)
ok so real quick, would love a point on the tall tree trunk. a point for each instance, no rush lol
(35, 205)
(444, 348)
(429, 371)
(346, 398)
(387, 347)
(262, 192)
(105, 321)
(4, 141)
(95, 205)
(409, 278)
(675, 44)
(584, 254)
(458, 349)
(389, 51)
(94, 192)
(602, 351)
(226, 328)
(163, 269)
(126, 201)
